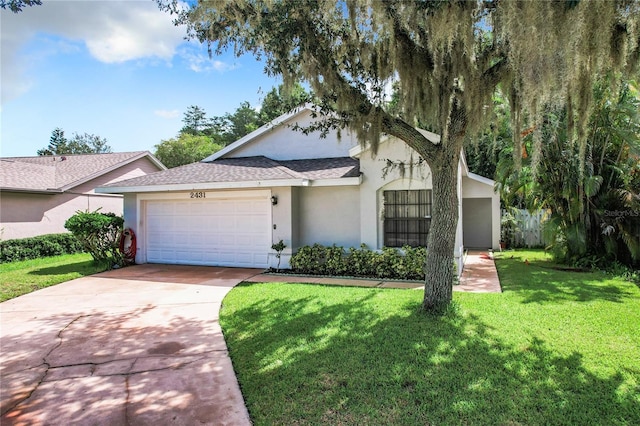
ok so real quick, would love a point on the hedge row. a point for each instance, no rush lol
(405, 264)
(36, 247)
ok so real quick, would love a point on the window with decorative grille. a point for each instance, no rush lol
(407, 217)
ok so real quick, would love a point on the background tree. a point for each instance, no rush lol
(243, 121)
(594, 201)
(281, 100)
(57, 143)
(195, 121)
(87, 143)
(78, 144)
(448, 58)
(185, 149)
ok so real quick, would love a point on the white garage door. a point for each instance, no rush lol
(220, 232)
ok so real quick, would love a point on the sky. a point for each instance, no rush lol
(117, 69)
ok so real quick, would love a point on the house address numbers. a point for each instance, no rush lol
(198, 194)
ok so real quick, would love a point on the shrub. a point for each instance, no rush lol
(407, 263)
(99, 233)
(40, 246)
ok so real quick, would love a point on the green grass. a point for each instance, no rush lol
(554, 348)
(18, 278)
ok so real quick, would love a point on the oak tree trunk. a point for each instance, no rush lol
(442, 233)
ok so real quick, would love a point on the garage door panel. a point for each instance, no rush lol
(229, 232)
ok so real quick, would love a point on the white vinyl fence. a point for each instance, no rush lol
(529, 229)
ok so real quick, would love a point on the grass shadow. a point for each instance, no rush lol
(366, 358)
(84, 268)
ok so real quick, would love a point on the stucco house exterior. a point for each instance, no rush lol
(38, 194)
(280, 184)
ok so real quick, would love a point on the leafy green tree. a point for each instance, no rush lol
(280, 101)
(17, 5)
(87, 144)
(78, 144)
(185, 149)
(243, 121)
(449, 58)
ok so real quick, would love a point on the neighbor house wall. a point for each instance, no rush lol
(25, 215)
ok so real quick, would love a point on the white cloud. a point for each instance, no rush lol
(200, 62)
(112, 31)
(169, 115)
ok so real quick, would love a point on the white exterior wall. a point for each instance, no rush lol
(284, 143)
(285, 224)
(374, 184)
(329, 215)
(458, 251)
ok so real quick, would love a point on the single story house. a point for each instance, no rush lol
(278, 183)
(38, 194)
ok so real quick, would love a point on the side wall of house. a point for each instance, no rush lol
(25, 215)
(28, 215)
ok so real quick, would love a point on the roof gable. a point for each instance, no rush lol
(281, 141)
(62, 172)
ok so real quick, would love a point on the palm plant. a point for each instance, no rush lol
(594, 203)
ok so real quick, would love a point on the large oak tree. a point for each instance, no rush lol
(448, 58)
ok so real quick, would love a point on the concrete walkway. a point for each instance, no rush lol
(479, 276)
(136, 346)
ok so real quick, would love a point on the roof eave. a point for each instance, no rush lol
(32, 191)
(204, 186)
(481, 179)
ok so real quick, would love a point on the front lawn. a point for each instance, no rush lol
(18, 278)
(554, 348)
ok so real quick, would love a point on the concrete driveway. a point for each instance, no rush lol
(140, 345)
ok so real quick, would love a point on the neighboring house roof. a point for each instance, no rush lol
(59, 173)
(245, 172)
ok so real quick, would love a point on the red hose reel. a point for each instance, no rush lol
(128, 246)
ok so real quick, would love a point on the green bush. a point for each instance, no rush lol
(99, 233)
(37, 247)
(406, 264)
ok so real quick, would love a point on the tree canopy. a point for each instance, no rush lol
(78, 144)
(447, 58)
(17, 5)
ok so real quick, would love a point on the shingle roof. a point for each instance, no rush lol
(248, 169)
(56, 173)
